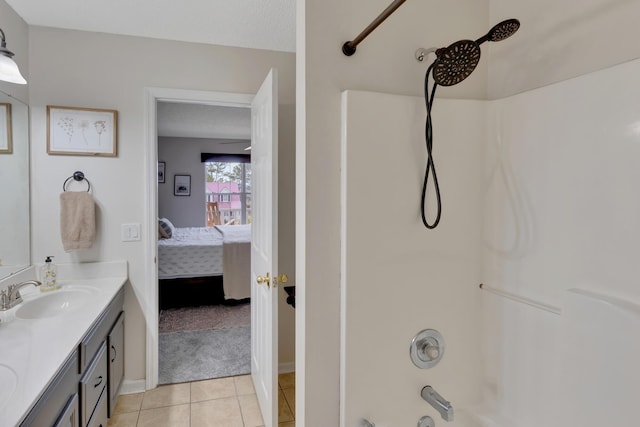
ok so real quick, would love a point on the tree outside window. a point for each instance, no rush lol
(229, 184)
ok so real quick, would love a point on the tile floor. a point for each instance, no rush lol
(223, 402)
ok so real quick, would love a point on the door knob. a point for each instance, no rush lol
(283, 279)
(264, 280)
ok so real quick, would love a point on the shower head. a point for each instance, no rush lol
(500, 31)
(455, 62)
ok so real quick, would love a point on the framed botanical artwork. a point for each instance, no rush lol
(82, 131)
(182, 185)
(6, 140)
(161, 166)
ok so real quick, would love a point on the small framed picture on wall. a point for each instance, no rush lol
(182, 185)
(75, 131)
(161, 166)
(5, 128)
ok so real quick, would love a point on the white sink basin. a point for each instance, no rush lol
(54, 303)
(9, 380)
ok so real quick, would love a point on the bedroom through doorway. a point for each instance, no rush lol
(204, 239)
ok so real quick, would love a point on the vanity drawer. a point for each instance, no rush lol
(92, 384)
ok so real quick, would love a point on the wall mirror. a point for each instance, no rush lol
(14, 186)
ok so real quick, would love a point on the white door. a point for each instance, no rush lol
(264, 247)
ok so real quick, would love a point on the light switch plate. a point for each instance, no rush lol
(130, 232)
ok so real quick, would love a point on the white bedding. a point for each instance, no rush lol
(236, 260)
(190, 252)
(209, 251)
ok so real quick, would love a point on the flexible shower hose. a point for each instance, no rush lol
(431, 167)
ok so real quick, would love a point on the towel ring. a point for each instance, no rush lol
(77, 176)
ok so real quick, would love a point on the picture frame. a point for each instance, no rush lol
(75, 131)
(161, 171)
(6, 137)
(182, 185)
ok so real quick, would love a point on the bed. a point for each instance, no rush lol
(206, 255)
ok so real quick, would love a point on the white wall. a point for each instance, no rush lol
(385, 63)
(398, 277)
(559, 40)
(562, 211)
(86, 69)
(561, 207)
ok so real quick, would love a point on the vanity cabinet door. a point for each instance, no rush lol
(71, 415)
(99, 418)
(56, 398)
(115, 342)
(92, 384)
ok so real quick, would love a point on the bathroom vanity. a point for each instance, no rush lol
(63, 351)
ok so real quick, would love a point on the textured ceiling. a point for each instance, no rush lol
(203, 121)
(259, 24)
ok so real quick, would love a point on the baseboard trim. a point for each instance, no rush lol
(133, 386)
(139, 386)
(285, 368)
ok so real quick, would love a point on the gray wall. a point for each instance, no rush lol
(182, 157)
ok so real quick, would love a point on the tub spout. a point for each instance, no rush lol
(438, 402)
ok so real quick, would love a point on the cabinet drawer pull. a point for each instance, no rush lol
(114, 354)
(99, 381)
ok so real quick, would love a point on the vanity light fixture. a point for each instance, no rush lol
(9, 71)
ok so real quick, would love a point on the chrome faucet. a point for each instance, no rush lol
(10, 297)
(438, 402)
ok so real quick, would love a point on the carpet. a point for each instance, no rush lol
(204, 354)
(204, 317)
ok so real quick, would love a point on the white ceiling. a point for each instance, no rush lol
(259, 24)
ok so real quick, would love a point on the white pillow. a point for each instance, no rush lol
(165, 228)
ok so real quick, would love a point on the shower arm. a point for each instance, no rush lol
(349, 48)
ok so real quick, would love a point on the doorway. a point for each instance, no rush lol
(153, 97)
(204, 244)
(150, 302)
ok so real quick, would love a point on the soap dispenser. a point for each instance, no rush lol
(49, 276)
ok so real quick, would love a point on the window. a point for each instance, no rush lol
(229, 184)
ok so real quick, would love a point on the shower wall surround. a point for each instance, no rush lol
(562, 210)
(399, 277)
(539, 196)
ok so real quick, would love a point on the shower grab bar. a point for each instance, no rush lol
(349, 48)
(522, 300)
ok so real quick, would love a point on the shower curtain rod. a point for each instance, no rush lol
(349, 48)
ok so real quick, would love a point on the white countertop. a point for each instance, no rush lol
(34, 349)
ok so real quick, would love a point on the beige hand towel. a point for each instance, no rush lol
(77, 220)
